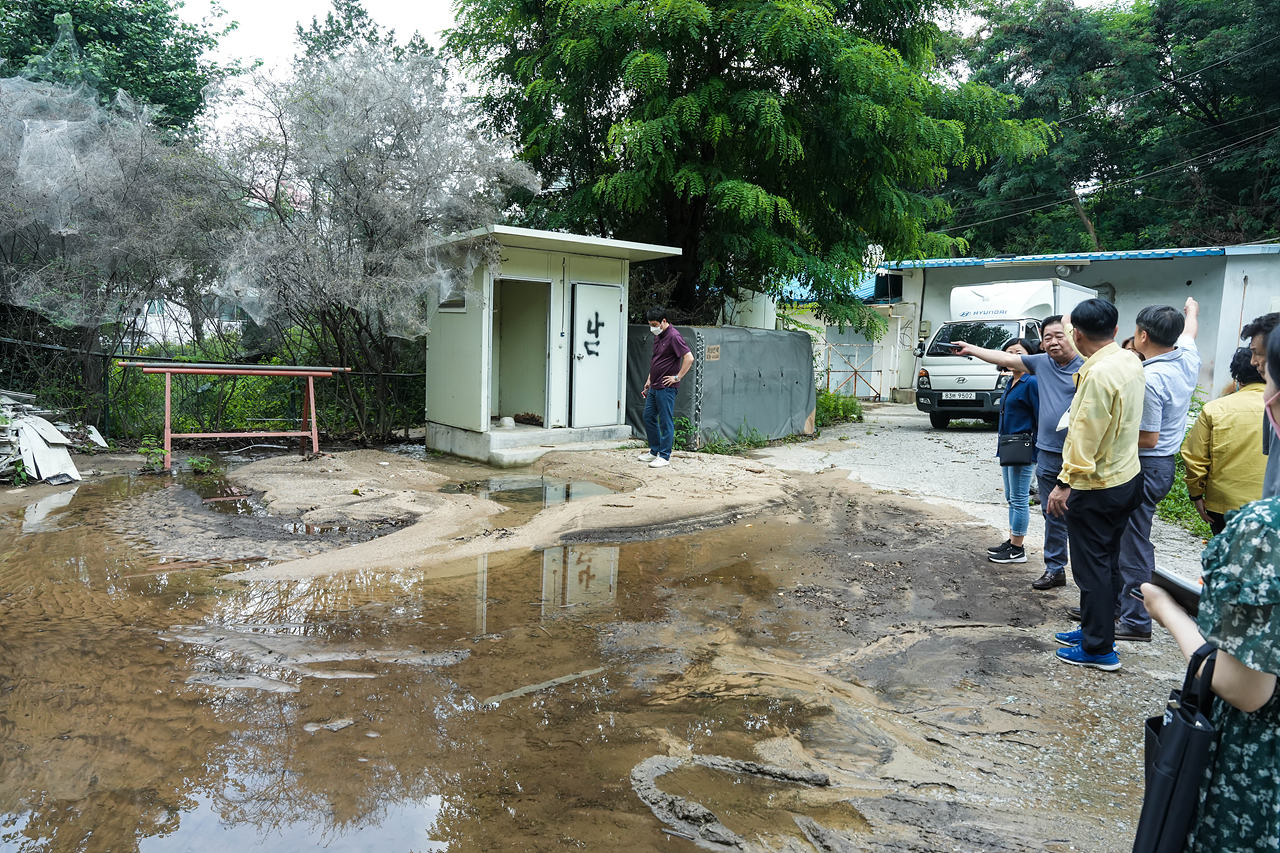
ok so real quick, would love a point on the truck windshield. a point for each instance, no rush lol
(986, 335)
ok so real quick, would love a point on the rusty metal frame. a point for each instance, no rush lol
(856, 372)
(310, 428)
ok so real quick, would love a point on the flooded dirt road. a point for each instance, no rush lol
(842, 673)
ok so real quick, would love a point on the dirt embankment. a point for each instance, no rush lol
(348, 492)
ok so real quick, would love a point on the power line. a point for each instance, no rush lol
(996, 203)
(1171, 82)
(1104, 187)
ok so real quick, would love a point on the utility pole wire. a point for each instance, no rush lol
(1117, 183)
(1171, 82)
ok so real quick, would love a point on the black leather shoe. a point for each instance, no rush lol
(1075, 613)
(1131, 635)
(1049, 580)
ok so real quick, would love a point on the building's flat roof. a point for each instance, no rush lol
(1076, 258)
(576, 244)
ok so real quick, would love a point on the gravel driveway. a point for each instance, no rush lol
(896, 449)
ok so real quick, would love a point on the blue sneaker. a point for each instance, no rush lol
(1070, 638)
(1077, 656)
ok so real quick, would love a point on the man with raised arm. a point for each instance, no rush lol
(1167, 337)
(1054, 369)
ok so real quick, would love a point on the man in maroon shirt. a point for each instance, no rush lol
(671, 361)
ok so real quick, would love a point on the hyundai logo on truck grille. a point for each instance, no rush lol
(960, 380)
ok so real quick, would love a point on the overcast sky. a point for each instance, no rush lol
(266, 28)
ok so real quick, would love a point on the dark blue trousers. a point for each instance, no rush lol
(659, 420)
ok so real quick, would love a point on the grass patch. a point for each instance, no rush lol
(1177, 508)
(748, 438)
(834, 408)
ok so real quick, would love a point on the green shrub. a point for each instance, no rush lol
(686, 435)
(202, 464)
(1177, 507)
(153, 452)
(836, 408)
(748, 438)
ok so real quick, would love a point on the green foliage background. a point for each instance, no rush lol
(141, 46)
(1165, 116)
(775, 142)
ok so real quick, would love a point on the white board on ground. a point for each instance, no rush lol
(44, 460)
(47, 431)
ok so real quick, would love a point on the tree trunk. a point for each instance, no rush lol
(1084, 217)
(92, 379)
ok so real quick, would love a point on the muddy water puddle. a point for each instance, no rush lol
(526, 495)
(218, 494)
(494, 703)
(649, 695)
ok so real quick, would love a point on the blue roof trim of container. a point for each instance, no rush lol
(1133, 254)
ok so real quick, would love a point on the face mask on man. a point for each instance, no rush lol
(657, 330)
(1267, 404)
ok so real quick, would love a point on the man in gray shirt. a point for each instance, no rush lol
(1167, 338)
(1055, 370)
(1256, 334)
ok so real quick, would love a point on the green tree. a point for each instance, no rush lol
(1054, 58)
(1166, 116)
(773, 141)
(350, 25)
(140, 46)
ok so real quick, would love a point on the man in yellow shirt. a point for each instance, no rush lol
(1223, 451)
(1100, 484)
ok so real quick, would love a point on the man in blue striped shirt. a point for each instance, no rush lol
(1167, 337)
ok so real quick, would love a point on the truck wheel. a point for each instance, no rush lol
(939, 420)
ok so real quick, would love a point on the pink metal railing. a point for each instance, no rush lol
(309, 427)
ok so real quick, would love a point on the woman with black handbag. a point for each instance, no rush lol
(1239, 810)
(1016, 449)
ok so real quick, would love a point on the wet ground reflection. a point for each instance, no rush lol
(159, 710)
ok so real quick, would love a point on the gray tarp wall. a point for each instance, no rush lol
(757, 377)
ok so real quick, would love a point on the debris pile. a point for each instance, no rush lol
(32, 448)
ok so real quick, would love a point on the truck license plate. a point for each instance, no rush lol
(959, 395)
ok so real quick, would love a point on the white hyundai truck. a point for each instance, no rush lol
(950, 386)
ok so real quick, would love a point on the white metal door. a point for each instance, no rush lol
(597, 362)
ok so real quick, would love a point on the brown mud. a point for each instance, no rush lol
(835, 670)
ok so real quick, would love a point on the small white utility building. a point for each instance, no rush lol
(540, 337)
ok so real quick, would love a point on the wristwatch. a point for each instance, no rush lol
(1064, 484)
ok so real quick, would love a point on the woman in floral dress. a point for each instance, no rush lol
(1240, 797)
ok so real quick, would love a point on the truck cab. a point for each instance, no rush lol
(951, 386)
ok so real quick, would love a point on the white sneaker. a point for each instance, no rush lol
(647, 457)
(659, 462)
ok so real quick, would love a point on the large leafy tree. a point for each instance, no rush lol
(1167, 119)
(348, 25)
(773, 141)
(140, 46)
(1054, 58)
